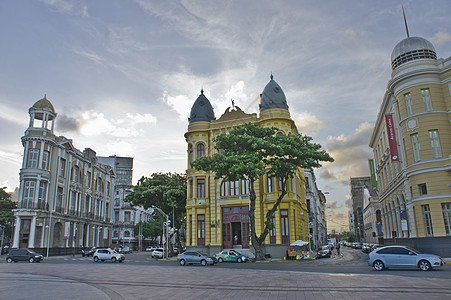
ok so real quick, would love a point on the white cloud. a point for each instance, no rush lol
(69, 7)
(13, 115)
(441, 38)
(308, 123)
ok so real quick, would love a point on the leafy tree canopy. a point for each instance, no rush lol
(166, 191)
(151, 229)
(6, 207)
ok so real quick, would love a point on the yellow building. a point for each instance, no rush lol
(217, 210)
(411, 142)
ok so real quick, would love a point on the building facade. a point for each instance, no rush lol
(411, 143)
(372, 221)
(217, 210)
(315, 204)
(357, 184)
(65, 195)
(125, 216)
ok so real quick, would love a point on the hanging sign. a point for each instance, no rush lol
(391, 137)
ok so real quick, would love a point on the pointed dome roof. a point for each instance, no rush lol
(43, 103)
(273, 96)
(412, 48)
(201, 110)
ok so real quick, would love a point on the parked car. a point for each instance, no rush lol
(403, 257)
(195, 257)
(231, 255)
(103, 254)
(158, 253)
(150, 249)
(366, 247)
(126, 250)
(16, 255)
(324, 251)
(88, 251)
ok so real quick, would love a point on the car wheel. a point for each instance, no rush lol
(220, 260)
(239, 260)
(96, 259)
(31, 260)
(182, 262)
(9, 260)
(113, 259)
(424, 265)
(378, 265)
(203, 262)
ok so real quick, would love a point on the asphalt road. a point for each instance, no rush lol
(140, 277)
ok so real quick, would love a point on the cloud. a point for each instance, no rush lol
(67, 124)
(308, 123)
(351, 155)
(441, 38)
(13, 115)
(332, 205)
(72, 8)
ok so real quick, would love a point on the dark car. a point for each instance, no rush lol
(16, 255)
(88, 251)
(195, 257)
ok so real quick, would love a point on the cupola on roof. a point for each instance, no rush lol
(201, 110)
(412, 48)
(273, 96)
(43, 103)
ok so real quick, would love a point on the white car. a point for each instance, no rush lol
(104, 254)
(158, 253)
(150, 249)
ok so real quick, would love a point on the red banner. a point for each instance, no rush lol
(391, 137)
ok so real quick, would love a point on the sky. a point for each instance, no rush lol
(123, 74)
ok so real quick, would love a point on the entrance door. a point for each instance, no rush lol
(235, 227)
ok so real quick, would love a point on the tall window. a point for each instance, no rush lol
(270, 184)
(87, 201)
(426, 99)
(41, 195)
(435, 144)
(33, 157)
(427, 219)
(200, 229)
(416, 146)
(409, 106)
(127, 217)
(200, 150)
(225, 188)
(28, 194)
(284, 229)
(200, 188)
(191, 188)
(446, 208)
(88, 179)
(234, 188)
(244, 186)
(190, 155)
(45, 160)
(59, 200)
(272, 232)
(62, 168)
(423, 189)
(75, 174)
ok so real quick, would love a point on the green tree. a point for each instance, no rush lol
(250, 151)
(167, 191)
(150, 230)
(6, 213)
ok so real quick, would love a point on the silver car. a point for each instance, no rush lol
(108, 254)
(195, 257)
(402, 257)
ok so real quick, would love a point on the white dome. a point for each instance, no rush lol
(410, 49)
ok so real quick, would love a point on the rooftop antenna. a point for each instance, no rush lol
(405, 21)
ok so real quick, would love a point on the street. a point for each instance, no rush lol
(140, 277)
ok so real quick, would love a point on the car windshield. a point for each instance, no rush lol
(114, 251)
(325, 248)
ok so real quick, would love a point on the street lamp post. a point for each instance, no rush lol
(165, 230)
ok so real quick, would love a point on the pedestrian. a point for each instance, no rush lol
(338, 248)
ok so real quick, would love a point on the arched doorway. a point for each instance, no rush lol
(57, 231)
(235, 227)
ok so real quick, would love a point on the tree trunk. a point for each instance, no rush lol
(259, 255)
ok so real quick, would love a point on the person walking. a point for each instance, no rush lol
(338, 248)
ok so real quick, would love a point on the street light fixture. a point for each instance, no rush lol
(165, 230)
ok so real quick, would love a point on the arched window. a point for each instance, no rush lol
(234, 188)
(200, 150)
(190, 154)
(126, 233)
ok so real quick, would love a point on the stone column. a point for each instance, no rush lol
(32, 232)
(16, 241)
